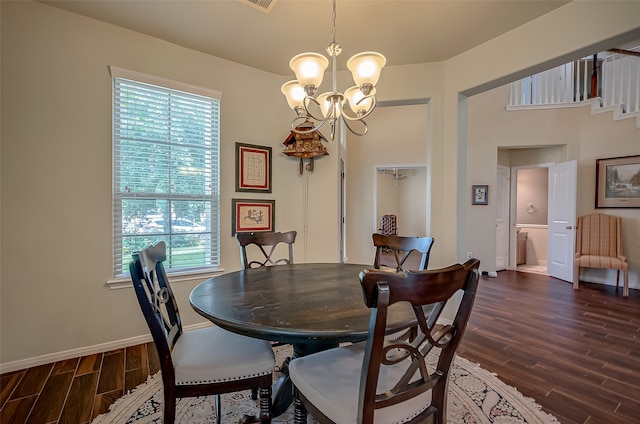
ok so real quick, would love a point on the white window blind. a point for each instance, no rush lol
(165, 171)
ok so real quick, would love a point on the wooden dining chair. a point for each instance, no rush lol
(599, 245)
(400, 248)
(262, 241)
(390, 381)
(206, 361)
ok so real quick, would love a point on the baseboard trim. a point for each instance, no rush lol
(82, 351)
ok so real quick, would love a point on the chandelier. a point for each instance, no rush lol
(330, 106)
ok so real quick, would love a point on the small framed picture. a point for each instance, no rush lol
(480, 194)
(249, 215)
(253, 168)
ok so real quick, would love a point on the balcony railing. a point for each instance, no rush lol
(615, 80)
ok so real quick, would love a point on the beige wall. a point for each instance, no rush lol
(532, 198)
(397, 137)
(571, 134)
(56, 172)
(56, 152)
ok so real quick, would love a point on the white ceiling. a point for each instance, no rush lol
(406, 32)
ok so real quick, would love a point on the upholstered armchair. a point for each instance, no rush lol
(599, 245)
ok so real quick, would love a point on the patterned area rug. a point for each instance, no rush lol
(475, 397)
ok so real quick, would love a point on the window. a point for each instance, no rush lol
(165, 171)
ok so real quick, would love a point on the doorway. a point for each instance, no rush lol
(531, 217)
(401, 190)
(545, 189)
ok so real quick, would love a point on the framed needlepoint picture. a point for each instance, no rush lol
(250, 215)
(253, 168)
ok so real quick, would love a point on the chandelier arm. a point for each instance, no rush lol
(374, 102)
(308, 111)
(294, 125)
(358, 133)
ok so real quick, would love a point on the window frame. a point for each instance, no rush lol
(211, 199)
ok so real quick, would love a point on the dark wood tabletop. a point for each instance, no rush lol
(312, 303)
(311, 306)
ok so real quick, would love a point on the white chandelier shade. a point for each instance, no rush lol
(309, 69)
(366, 67)
(294, 93)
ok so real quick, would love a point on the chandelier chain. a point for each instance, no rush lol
(333, 18)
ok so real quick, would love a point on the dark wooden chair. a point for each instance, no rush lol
(262, 241)
(402, 248)
(391, 381)
(207, 361)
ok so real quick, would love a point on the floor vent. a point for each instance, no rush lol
(264, 5)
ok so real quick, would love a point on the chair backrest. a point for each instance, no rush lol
(157, 302)
(262, 240)
(407, 360)
(599, 235)
(401, 247)
(388, 225)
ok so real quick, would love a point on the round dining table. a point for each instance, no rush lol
(312, 306)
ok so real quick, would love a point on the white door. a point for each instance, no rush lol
(502, 218)
(562, 220)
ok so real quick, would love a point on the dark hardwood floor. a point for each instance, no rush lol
(576, 353)
(77, 390)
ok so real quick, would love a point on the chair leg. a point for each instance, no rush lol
(169, 416)
(576, 277)
(300, 413)
(218, 408)
(617, 279)
(439, 400)
(265, 404)
(625, 289)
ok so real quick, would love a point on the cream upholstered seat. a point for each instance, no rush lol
(207, 361)
(390, 381)
(599, 245)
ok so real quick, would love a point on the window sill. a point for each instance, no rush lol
(174, 277)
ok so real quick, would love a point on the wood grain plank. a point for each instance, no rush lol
(112, 372)
(79, 405)
(8, 382)
(51, 400)
(33, 381)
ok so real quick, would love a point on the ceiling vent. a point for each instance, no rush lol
(264, 5)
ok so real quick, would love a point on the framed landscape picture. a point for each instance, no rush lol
(253, 168)
(618, 182)
(249, 215)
